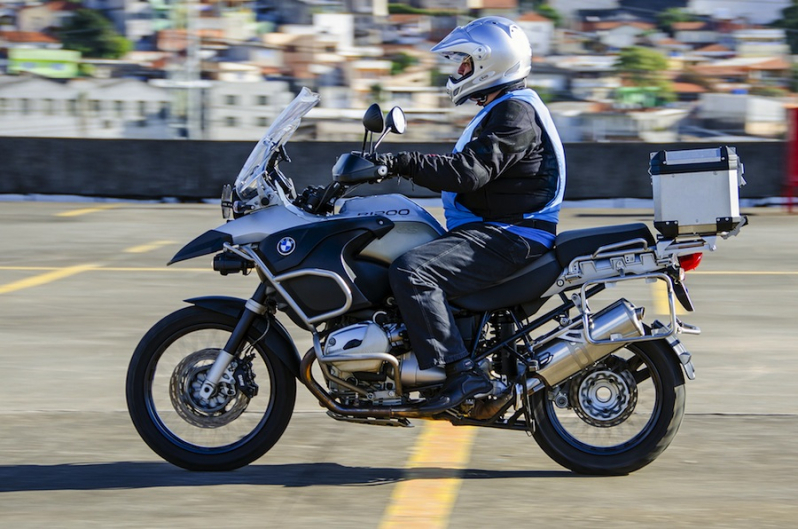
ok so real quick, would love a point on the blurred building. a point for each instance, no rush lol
(83, 108)
(743, 114)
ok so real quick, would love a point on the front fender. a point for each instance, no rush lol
(209, 242)
(277, 339)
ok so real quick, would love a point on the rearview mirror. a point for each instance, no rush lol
(396, 122)
(373, 120)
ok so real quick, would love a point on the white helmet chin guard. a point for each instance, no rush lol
(500, 52)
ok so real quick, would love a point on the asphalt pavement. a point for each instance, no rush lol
(80, 283)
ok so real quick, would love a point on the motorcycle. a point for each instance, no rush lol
(212, 386)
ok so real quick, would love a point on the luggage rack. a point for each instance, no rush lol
(673, 327)
(724, 226)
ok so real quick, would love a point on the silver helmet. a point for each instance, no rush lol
(500, 53)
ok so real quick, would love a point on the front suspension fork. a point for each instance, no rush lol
(253, 308)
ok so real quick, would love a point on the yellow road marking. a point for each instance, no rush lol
(108, 269)
(426, 497)
(85, 211)
(30, 268)
(45, 278)
(659, 292)
(143, 248)
(162, 269)
(659, 295)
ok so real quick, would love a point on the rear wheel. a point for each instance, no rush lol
(617, 416)
(246, 415)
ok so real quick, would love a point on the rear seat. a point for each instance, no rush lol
(574, 243)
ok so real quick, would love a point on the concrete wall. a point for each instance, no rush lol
(195, 170)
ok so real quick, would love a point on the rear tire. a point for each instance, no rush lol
(625, 428)
(231, 431)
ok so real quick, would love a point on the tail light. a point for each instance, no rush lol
(690, 262)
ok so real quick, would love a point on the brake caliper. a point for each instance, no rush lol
(245, 377)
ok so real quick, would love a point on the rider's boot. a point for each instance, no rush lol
(463, 381)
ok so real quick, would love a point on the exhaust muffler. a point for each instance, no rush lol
(564, 357)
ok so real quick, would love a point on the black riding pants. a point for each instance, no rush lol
(464, 260)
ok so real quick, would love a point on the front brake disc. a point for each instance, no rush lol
(223, 407)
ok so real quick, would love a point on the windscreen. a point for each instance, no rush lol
(277, 135)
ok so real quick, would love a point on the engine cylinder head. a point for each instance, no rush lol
(359, 347)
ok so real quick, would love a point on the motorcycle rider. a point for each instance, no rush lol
(501, 190)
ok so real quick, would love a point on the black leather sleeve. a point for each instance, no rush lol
(506, 143)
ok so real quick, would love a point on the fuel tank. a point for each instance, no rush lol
(414, 225)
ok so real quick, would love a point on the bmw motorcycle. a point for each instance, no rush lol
(212, 386)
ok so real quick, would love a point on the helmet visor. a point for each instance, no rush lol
(465, 69)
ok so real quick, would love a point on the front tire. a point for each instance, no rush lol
(621, 414)
(229, 430)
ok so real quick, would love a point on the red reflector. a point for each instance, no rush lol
(690, 262)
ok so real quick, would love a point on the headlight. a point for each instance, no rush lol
(248, 187)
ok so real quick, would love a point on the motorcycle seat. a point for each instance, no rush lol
(526, 285)
(575, 243)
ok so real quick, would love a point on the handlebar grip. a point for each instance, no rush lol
(355, 168)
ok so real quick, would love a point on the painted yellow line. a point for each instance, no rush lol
(85, 211)
(432, 478)
(148, 247)
(30, 268)
(161, 269)
(659, 295)
(108, 269)
(45, 278)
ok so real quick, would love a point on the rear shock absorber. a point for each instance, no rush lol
(503, 328)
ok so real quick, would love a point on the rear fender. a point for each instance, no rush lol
(679, 350)
(277, 339)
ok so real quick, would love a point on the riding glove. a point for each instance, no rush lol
(397, 164)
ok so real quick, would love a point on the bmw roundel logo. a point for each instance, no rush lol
(286, 245)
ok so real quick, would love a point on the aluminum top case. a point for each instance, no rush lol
(696, 191)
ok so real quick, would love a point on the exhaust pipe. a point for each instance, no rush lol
(563, 358)
(380, 412)
(559, 360)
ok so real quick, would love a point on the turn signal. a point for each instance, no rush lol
(690, 262)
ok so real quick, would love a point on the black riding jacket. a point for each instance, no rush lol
(507, 169)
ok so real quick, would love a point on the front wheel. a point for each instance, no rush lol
(615, 417)
(242, 420)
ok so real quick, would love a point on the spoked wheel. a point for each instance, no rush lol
(617, 416)
(245, 416)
